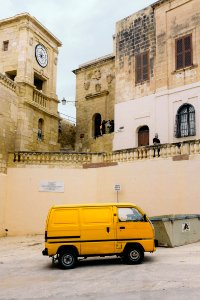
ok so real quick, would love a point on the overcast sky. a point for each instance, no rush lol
(85, 28)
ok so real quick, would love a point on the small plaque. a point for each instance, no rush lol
(117, 187)
(51, 186)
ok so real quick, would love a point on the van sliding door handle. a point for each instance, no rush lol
(121, 227)
(108, 229)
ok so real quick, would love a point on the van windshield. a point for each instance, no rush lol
(129, 214)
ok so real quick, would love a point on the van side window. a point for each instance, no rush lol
(129, 214)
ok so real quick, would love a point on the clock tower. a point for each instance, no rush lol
(29, 60)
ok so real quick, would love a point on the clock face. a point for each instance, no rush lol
(41, 55)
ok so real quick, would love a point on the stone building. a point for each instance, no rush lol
(157, 74)
(28, 101)
(95, 96)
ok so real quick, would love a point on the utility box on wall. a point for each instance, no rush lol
(176, 230)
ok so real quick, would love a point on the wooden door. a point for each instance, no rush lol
(143, 136)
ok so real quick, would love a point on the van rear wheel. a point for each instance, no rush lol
(67, 259)
(134, 255)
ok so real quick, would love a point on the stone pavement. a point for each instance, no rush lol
(169, 273)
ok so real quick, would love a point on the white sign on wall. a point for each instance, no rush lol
(51, 186)
(117, 187)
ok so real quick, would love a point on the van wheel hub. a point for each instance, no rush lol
(134, 255)
(67, 259)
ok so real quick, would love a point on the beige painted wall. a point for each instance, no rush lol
(160, 186)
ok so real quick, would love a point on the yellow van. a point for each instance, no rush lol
(85, 230)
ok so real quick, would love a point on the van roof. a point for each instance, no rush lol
(94, 204)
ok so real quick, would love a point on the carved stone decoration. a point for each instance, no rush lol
(98, 88)
(98, 74)
(109, 78)
(86, 85)
(31, 41)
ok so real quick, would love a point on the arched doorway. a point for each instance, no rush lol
(96, 125)
(143, 136)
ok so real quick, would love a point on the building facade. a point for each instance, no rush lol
(28, 111)
(95, 95)
(157, 75)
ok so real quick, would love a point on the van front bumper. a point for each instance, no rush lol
(45, 252)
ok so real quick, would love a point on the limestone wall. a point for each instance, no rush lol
(134, 35)
(175, 19)
(35, 86)
(8, 116)
(95, 84)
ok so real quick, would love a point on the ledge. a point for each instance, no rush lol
(100, 94)
(99, 165)
(184, 69)
(41, 108)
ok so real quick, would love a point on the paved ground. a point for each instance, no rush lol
(166, 274)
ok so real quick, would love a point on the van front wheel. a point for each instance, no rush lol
(67, 259)
(134, 255)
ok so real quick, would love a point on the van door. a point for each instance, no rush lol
(131, 225)
(97, 230)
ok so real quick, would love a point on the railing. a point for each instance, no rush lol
(162, 151)
(153, 152)
(7, 82)
(40, 99)
(50, 158)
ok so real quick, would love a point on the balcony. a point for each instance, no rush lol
(41, 100)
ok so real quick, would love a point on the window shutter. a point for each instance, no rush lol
(179, 54)
(184, 52)
(145, 66)
(188, 50)
(142, 67)
(138, 69)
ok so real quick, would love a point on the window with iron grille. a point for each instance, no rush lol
(185, 121)
(142, 67)
(184, 52)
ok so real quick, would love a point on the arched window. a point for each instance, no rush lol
(96, 125)
(185, 121)
(143, 136)
(40, 134)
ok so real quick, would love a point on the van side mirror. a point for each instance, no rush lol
(145, 218)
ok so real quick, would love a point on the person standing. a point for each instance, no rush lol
(156, 142)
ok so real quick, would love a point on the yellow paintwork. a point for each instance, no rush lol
(95, 229)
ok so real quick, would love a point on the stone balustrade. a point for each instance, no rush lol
(40, 99)
(7, 82)
(145, 152)
(50, 158)
(176, 151)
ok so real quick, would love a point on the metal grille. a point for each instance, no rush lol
(185, 121)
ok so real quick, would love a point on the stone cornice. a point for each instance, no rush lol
(94, 63)
(160, 2)
(27, 16)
